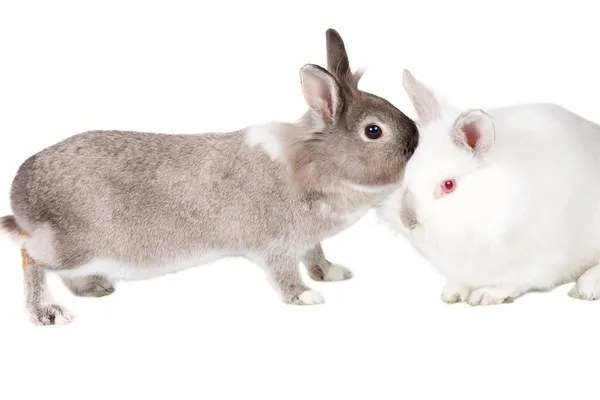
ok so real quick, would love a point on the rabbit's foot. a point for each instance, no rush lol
(308, 297)
(329, 273)
(587, 286)
(487, 296)
(455, 293)
(89, 286)
(50, 315)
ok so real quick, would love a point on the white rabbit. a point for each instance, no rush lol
(501, 201)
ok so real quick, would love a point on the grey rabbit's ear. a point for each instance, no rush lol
(322, 92)
(337, 58)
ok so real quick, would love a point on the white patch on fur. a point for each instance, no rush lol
(265, 135)
(311, 297)
(40, 245)
(114, 270)
(337, 272)
(588, 285)
(454, 293)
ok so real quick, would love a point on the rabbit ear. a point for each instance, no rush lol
(337, 58)
(424, 101)
(474, 131)
(321, 92)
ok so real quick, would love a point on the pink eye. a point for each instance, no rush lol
(448, 185)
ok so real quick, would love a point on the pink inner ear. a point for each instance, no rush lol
(472, 134)
(325, 94)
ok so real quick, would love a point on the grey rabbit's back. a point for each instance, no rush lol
(145, 198)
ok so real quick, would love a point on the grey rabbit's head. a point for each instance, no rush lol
(355, 136)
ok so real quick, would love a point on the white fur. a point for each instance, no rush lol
(16, 238)
(487, 296)
(266, 136)
(64, 318)
(40, 245)
(336, 272)
(525, 216)
(453, 293)
(114, 271)
(369, 189)
(588, 285)
(354, 217)
(311, 297)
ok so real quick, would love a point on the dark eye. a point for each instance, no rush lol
(373, 132)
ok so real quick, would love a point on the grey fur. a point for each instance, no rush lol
(146, 199)
(8, 223)
(408, 214)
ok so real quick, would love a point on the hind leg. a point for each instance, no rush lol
(40, 306)
(89, 286)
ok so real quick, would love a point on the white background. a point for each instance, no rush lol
(219, 331)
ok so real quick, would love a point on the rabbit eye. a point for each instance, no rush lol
(447, 186)
(373, 132)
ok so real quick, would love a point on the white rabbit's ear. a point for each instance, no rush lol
(425, 102)
(321, 92)
(474, 131)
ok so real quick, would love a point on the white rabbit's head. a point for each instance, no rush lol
(453, 145)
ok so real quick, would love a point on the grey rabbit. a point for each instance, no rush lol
(103, 206)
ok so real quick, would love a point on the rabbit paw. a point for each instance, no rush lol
(588, 285)
(90, 286)
(309, 297)
(487, 296)
(455, 293)
(50, 315)
(330, 273)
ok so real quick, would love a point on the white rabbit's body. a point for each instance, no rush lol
(525, 218)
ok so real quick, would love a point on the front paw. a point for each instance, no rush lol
(329, 273)
(455, 293)
(487, 296)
